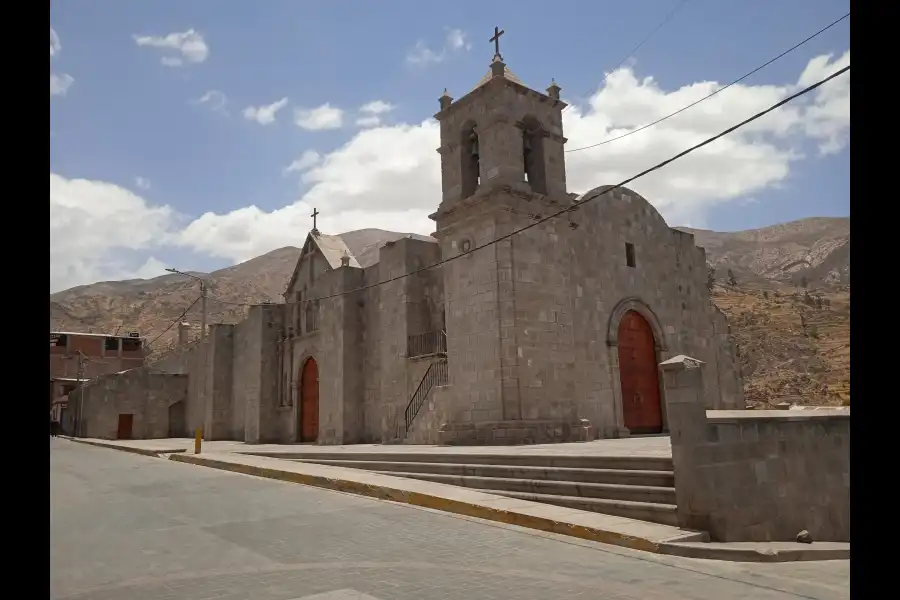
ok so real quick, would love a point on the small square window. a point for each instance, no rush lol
(629, 255)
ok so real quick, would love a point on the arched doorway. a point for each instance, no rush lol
(309, 401)
(638, 374)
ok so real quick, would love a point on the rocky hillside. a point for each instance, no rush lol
(815, 251)
(789, 305)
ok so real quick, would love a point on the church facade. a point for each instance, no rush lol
(553, 333)
(530, 315)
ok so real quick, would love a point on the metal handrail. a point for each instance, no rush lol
(437, 374)
(425, 344)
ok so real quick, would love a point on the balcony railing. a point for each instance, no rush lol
(426, 344)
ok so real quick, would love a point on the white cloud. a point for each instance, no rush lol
(458, 40)
(93, 225)
(322, 117)
(421, 54)
(179, 48)
(265, 115)
(307, 160)
(390, 176)
(55, 46)
(371, 113)
(215, 100)
(376, 107)
(369, 121)
(142, 183)
(60, 84)
(825, 119)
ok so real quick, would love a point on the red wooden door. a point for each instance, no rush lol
(126, 422)
(638, 374)
(309, 401)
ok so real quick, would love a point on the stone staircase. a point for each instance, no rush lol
(640, 488)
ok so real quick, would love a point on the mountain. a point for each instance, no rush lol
(789, 307)
(817, 249)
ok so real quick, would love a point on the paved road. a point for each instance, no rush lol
(128, 527)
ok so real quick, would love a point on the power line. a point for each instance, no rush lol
(721, 89)
(172, 324)
(569, 209)
(638, 47)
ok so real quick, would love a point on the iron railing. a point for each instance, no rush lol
(437, 374)
(425, 344)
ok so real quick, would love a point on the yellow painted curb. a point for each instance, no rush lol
(429, 501)
(131, 449)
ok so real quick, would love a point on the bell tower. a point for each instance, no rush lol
(501, 135)
(507, 318)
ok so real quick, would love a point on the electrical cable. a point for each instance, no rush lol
(721, 89)
(172, 324)
(584, 200)
(636, 48)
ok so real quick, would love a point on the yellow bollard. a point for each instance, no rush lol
(198, 437)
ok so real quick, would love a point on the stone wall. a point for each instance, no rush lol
(667, 286)
(254, 375)
(756, 475)
(186, 360)
(149, 395)
(218, 395)
(532, 319)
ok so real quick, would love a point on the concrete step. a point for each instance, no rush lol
(638, 463)
(662, 479)
(664, 514)
(632, 493)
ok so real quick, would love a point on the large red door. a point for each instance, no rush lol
(641, 400)
(309, 401)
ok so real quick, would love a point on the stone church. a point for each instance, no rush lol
(531, 338)
(477, 334)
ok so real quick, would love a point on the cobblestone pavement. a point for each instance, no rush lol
(129, 527)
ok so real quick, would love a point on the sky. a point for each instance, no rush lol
(197, 134)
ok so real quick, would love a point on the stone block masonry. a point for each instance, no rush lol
(756, 476)
(156, 402)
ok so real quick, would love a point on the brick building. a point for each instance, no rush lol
(533, 339)
(78, 356)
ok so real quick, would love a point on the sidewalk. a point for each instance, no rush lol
(597, 527)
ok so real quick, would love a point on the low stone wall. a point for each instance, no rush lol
(155, 400)
(746, 475)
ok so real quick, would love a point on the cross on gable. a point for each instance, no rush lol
(315, 213)
(496, 39)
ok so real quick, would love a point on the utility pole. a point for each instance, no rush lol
(204, 292)
(79, 430)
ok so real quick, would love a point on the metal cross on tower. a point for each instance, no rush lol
(496, 39)
(315, 213)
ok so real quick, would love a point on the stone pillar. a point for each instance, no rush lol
(218, 382)
(683, 380)
(183, 329)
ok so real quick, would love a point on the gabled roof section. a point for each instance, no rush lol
(333, 248)
(507, 74)
(362, 246)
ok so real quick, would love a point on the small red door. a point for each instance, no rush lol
(309, 401)
(639, 376)
(126, 422)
